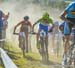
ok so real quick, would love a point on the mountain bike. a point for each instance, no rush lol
(22, 41)
(72, 49)
(70, 58)
(43, 46)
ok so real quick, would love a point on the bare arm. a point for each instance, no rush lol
(30, 24)
(62, 16)
(16, 26)
(35, 24)
(5, 16)
(31, 27)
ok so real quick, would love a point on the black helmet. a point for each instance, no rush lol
(26, 17)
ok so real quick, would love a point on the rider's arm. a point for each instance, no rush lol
(17, 26)
(63, 14)
(36, 22)
(30, 24)
(5, 16)
(31, 27)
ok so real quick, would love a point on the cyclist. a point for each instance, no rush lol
(55, 35)
(25, 24)
(43, 23)
(69, 17)
(43, 27)
(2, 15)
(5, 26)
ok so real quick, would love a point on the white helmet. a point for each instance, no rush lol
(56, 23)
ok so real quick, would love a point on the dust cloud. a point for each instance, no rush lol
(19, 8)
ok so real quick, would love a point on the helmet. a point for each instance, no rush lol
(56, 23)
(26, 17)
(46, 16)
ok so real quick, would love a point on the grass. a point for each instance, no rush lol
(1, 66)
(31, 60)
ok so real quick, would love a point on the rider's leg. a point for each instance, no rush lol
(37, 39)
(67, 44)
(19, 41)
(53, 42)
(42, 49)
(46, 46)
(26, 42)
(67, 31)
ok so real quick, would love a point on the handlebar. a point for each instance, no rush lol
(34, 33)
(16, 33)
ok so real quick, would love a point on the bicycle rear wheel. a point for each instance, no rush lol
(44, 50)
(23, 46)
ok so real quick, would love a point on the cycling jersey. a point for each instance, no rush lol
(69, 10)
(47, 18)
(43, 27)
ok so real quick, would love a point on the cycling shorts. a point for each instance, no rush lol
(68, 28)
(43, 27)
(21, 36)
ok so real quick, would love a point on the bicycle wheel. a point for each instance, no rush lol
(23, 46)
(46, 50)
(23, 50)
(42, 49)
